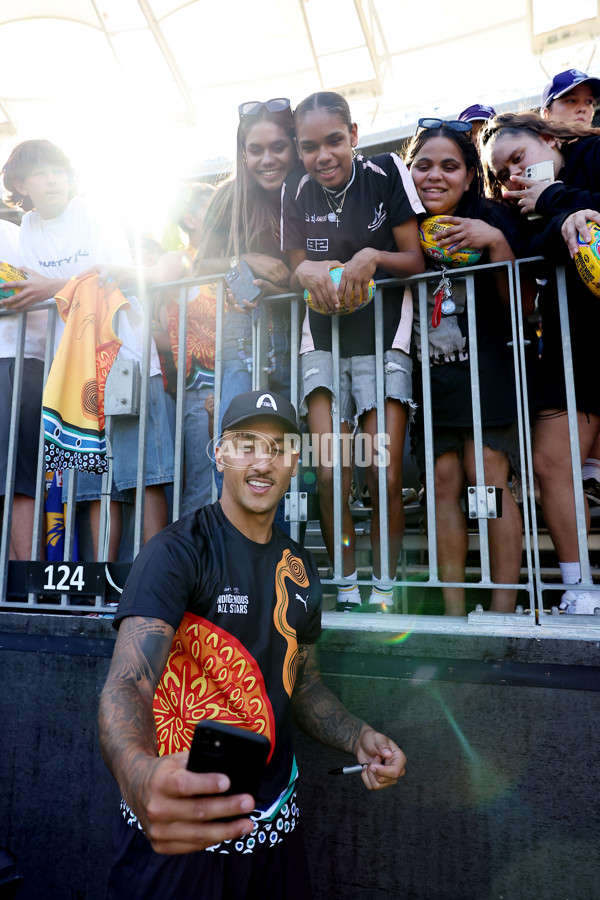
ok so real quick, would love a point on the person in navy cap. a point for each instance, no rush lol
(570, 98)
(476, 115)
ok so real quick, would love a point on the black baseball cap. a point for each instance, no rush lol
(265, 404)
(564, 82)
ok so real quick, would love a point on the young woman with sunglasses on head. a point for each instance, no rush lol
(446, 170)
(360, 213)
(242, 223)
(511, 143)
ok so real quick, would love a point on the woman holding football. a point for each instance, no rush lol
(446, 170)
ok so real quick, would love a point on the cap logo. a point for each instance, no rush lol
(266, 400)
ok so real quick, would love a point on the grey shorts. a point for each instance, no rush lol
(357, 382)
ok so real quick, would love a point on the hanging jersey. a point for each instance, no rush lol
(379, 197)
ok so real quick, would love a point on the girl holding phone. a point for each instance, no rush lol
(511, 143)
(242, 224)
(360, 213)
(446, 170)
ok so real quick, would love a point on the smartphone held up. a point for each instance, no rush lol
(236, 752)
(542, 171)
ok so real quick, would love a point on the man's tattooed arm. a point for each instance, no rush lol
(126, 721)
(318, 711)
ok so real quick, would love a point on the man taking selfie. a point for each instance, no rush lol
(218, 622)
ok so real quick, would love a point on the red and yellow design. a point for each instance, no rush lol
(209, 675)
(202, 322)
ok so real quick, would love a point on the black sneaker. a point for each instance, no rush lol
(347, 606)
(591, 489)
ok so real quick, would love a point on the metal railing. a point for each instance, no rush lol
(532, 585)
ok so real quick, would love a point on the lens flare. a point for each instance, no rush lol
(399, 638)
(345, 540)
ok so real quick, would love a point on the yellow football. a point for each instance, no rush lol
(587, 260)
(343, 309)
(429, 230)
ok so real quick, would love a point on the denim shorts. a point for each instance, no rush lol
(357, 381)
(159, 456)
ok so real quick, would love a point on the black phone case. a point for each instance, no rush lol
(238, 753)
(240, 281)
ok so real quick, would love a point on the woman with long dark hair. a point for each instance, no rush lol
(446, 170)
(243, 223)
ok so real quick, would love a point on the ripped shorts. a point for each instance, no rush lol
(357, 382)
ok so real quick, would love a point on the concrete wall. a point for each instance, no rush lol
(499, 801)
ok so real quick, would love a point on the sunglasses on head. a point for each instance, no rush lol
(453, 125)
(254, 107)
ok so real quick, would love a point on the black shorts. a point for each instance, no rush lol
(278, 872)
(504, 438)
(29, 423)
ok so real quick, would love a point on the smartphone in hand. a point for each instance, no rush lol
(238, 753)
(240, 281)
(542, 171)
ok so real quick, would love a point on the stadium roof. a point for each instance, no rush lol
(154, 85)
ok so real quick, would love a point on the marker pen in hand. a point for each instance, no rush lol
(348, 770)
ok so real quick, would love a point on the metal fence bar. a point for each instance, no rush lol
(335, 460)
(11, 463)
(218, 365)
(180, 397)
(532, 576)
(582, 540)
(140, 493)
(525, 464)
(484, 545)
(381, 448)
(294, 332)
(428, 433)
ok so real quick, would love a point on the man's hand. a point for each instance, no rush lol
(178, 809)
(575, 226)
(385, 760)
(321, 715)
(36, 289)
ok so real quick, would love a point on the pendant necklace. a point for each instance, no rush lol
(336, 211)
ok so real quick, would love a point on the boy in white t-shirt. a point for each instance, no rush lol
(63, 235)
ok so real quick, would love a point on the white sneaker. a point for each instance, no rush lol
(381, 601)
(582, 603)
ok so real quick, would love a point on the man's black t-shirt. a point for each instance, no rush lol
(379, 197)
(240, 609)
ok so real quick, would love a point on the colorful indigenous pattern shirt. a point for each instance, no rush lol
(201, 334)
(240, 610)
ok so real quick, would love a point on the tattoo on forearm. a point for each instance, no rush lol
(126, 720)
(318, 711)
